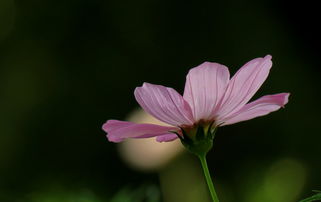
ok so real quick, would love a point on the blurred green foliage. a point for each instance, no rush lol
(68, 66)
(146, 193)
(315, 197)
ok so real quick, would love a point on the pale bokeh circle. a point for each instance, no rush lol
(148, 154)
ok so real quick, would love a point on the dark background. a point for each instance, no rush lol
(68, 66)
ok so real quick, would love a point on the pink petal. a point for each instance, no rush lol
(244, 85)
(204, 88)
(117, 131)
(166, 138)
(164, 104)
(259, 107)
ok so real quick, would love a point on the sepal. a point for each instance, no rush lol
(198, 140)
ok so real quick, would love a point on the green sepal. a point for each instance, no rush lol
(199, 141)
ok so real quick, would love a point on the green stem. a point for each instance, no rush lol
(208, 178)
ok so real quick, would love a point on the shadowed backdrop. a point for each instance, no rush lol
(68, 66)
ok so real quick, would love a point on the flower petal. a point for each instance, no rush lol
(244, 85)
(259, 107)
(117, 131)
(164, 104)
(204, 88)
(166, 138)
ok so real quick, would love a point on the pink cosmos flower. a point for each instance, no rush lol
(210, 98)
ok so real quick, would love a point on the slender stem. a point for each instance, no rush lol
(208, 178)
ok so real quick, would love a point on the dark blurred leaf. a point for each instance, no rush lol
(145, 193)
(316, 197)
